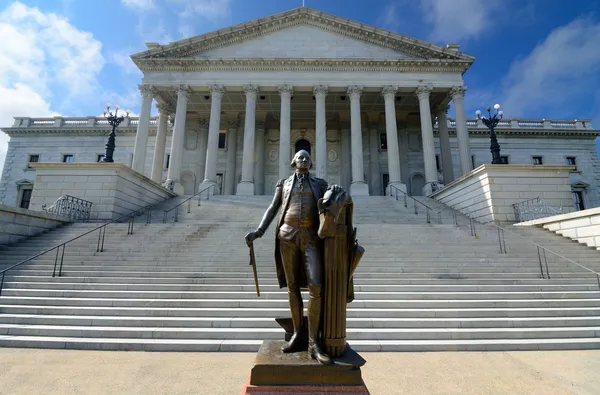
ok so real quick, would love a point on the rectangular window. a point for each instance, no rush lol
(438, 163)
(571, 161)
(537, 160)
(167, 162)
(25, 198)
(578, 200)
(473, 161)
(99, 158)
(67, 158)
(383, 141)
(504, 160)
(222, 139)
(33, 159)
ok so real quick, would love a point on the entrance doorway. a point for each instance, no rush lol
(385, 180)
(219, 186)
(302, 144)
(417, 182)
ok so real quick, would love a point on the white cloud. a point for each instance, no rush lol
(123, 60)
(561, 70)
(139, 4)
(43, 56)
(388, 18)
(458, 20)
(215, 11)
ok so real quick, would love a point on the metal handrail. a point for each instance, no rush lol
(99, 246)
(189, 202)
(415, 201)
(540, 249)
(532, 209)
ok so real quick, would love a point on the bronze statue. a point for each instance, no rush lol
(311, 212)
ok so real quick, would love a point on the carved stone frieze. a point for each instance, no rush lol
(273, 155)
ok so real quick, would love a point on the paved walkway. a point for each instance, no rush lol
(65, 372)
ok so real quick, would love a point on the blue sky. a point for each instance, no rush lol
(538, 58)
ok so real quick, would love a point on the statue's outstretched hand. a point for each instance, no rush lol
(250, 237)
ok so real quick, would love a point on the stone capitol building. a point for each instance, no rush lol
(234, 105)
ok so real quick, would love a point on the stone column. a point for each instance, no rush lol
(202, 144)
(161, 139)
(141, 136)
(346, 157)
(246, 185)
(174, 174)
(391, 133)
(358, 186)
(230, 177)
(259, 167)
(445, 152)
(284, 131)
(462, 133)
(212, 145)
(428, 143)
(320, 91)
(375, 174)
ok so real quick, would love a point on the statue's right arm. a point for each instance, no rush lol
(272, 210)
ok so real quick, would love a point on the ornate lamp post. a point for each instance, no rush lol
(114, 120)
(491, 121)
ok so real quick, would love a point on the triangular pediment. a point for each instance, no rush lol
(303, 42)
(302, 33)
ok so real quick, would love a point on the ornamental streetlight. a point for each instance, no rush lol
(491, 121)
(114, 120)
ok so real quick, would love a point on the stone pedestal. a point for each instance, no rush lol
(277, 373)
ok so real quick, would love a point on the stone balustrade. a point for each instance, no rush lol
(79, 122)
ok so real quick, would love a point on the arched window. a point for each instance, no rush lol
(302, 144)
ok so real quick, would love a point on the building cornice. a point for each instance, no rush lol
(301, 16)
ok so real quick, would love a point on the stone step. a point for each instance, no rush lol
(269, 322)
(389, 296)
(271, 312)
(272, 287)
(268, 303)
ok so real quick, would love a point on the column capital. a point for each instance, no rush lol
(320, 90)
(389, 91)
(164, 109)
(458, 92)
(285, 89)
(203, 123)
(423, 92)
(251, 89)
(217, 90)
(233, 124)
(147, 90)
(354, 91)
(183, 91)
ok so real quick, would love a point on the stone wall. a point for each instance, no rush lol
(18, 223)
(582, 226)
(487, 193)
(113, 188)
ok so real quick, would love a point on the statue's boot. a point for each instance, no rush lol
(314, 320)
(296, 342)
(315, 352)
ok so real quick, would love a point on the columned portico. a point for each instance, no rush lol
(391, 132)
(212, 146)
(445, 152)
(358, 187)
(431, 179)
(462, 133)
(320, 91)
(161, 140)
(246, 185)
(141, 137)
(174, 174)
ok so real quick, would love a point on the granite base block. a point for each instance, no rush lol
(296, 373)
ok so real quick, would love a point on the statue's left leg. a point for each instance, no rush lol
(313, 261)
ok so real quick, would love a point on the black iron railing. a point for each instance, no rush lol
(535, 208)
(175, 209)
(74, 208)
(60, 248)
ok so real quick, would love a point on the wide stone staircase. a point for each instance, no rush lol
(187, 286)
